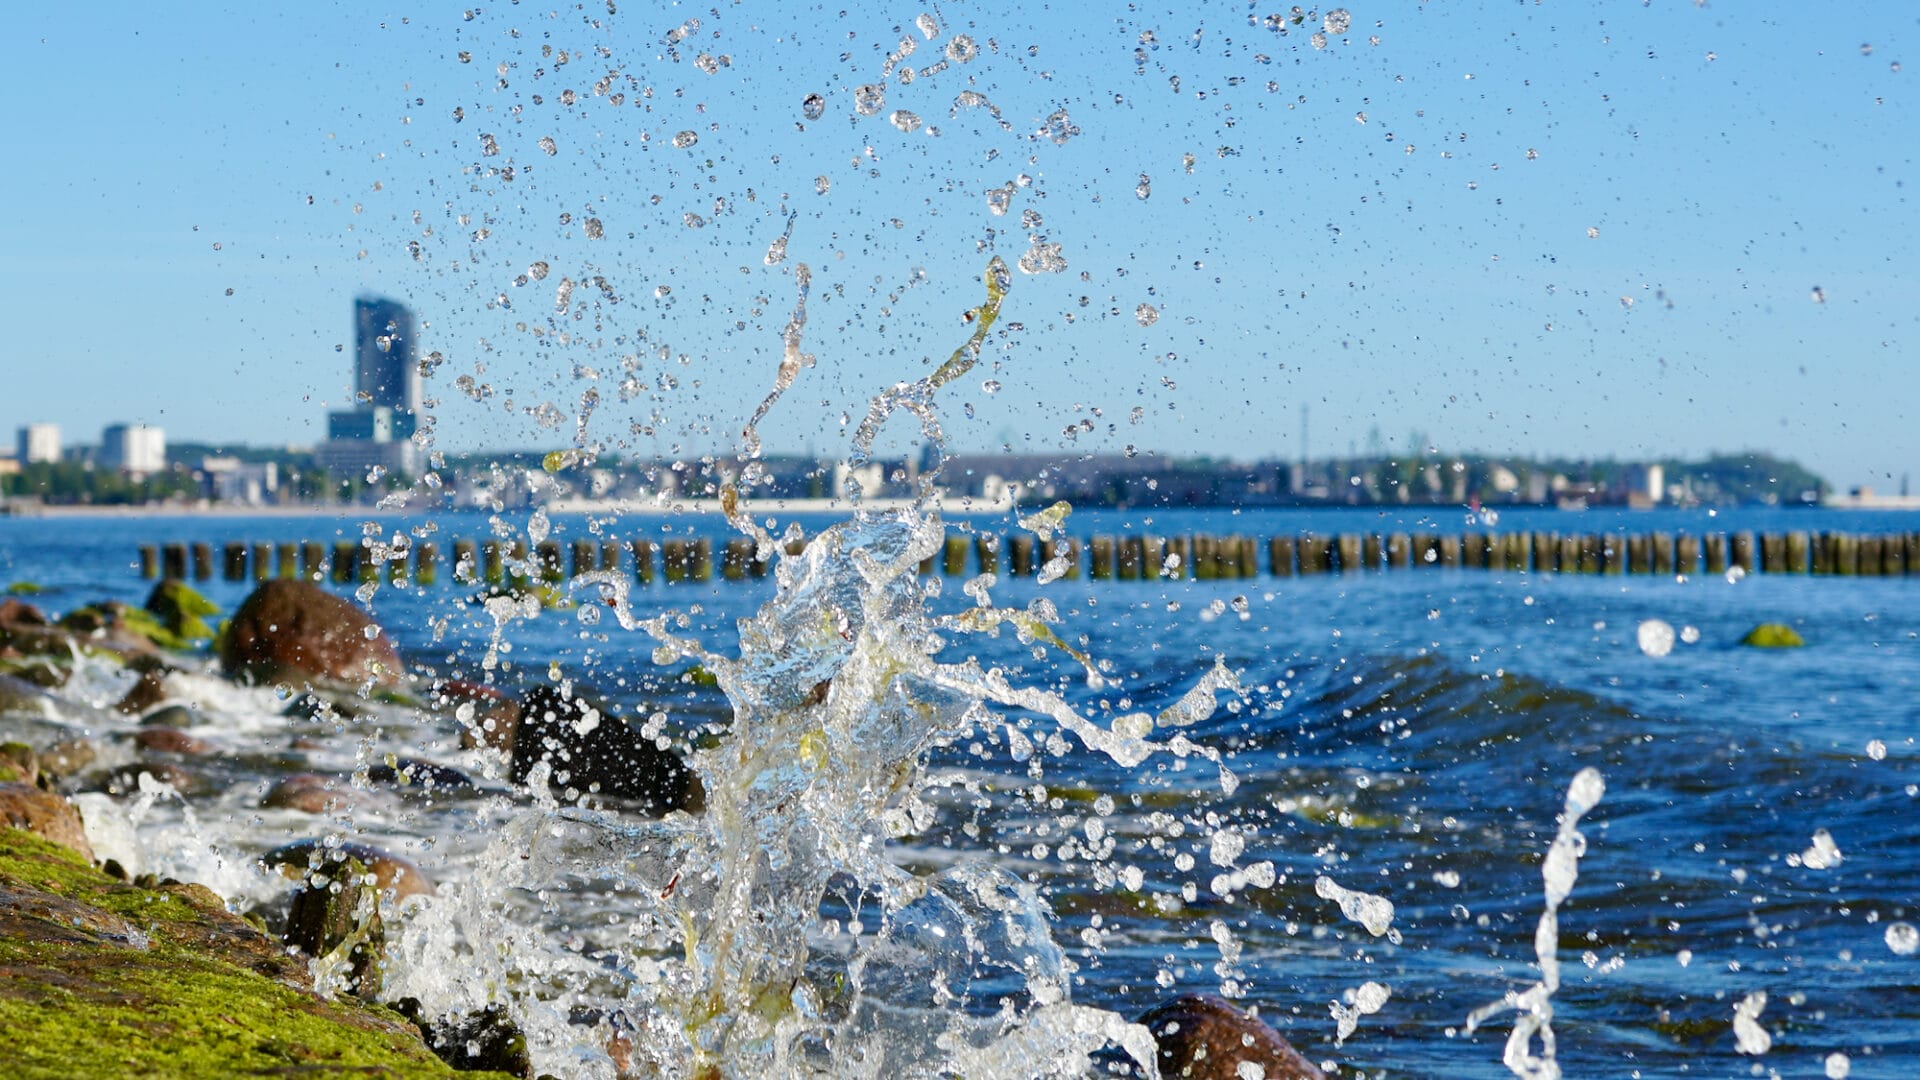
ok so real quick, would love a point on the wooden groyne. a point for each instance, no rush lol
(1104, 557)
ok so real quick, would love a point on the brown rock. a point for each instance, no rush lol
(23, 806)
(18, 763)
(1203, 1037)
(67, 758)
(389, 871)
(608, 758)
(492, 720)
(291, 630)
(125, 780)
(309, 793)
(148, 691)
(168, 740)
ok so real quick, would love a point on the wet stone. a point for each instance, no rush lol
(293, 631)
(24, 806)
(390, 871)
(337, 908)
(125, 780)
(593, 751)
(67, 758)
(168, 740)
(488, 1040)
(1203, 1037)
(424, 777)
(172, 716)
(309, 793)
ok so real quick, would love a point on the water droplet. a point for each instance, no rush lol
(1877, 750)
(685, 139)
(1838, 1066)
(1146, 314)
(869, 99)
(905, 120)
(1042, 258)
(1337, 21)
(538, 271)
(821, 185)
(1819, 295)
(991, 386)
(547, 144)
(813, 107)
(1144, 188)
(1903, 939)
(694, 221)
(594, 229)
(1060, 127)
(1319, 40)
(1690, 634)
(962, 50)
(488, 146)
(928, 25)
(1656, 637)
(1593, 232)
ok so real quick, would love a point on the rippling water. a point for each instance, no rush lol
(1409, 735)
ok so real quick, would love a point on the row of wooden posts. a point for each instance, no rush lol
(1124, 558)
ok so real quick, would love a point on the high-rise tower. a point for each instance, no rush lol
(377, 430)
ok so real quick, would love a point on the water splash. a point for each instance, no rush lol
(1535, 1005)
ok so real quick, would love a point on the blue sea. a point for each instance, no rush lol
(1409, 735)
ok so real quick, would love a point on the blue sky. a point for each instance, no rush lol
(1535, 228)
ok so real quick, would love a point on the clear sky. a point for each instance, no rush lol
(1555, 228)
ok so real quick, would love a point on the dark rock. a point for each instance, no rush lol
(487, 717)
(19, 764)
(295, 630)
(317, 707)
(146, 692)
(24, 806)
(390, 871)
(486, 1041)
(338, 906)
(1203, 1037)
(20, 696)
(422, 776)
(168, 740)
(41, 672)
(594, 751)
(67, 758)
(172, 716)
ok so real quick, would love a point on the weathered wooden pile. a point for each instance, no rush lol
(1101, 557)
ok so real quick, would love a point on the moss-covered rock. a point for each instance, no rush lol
(102, 978)
(181, 610)
(1773, 635)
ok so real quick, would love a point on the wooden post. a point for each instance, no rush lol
(643, 560)
(1740, 551)
(369, 567)
(466, 564)
(346, 562)
(1869, 559)
(1476, 550)
(149, 561)
(426, 563)
(1913, 552)
(1426, 550)
(1546, 553)
(1348, 553)
(1893, 555)
(1063, 548)
(1716, 545)
(1663, 553)
(492, 570)
(1280, 556)
(547, 556)
(520, 569)
(262, 561)
(397, 568)
(1373, 552)
(1249, 557)
(1399, 550)
(1100, 558)
(1588, 557)
(1567, 559)
(1613, 553)
(313, 561)
(1128, 559)
(1686, 554)
(202, 561)
(1153, 556)
(1517, 552)
(1315, 554)
(986, 549)
(1773, 553)
(233, 562)
(1020, 555)
(734, 558)
(674, 560)
(1639, 554)
(700, 560)
(1202, 561)
(955, 562)
(1799, 550)
(173, 562)
(1822, 553)
(1450, 551)
(583, 557)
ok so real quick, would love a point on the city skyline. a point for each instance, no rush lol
(1590, 234)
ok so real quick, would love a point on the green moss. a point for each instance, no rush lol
(102, 978)
(1773, 635)
(24, 588)
(699, 676)
(182, 610)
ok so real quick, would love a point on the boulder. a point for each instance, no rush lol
(389, 871)
(24, 806)
(1203, 1037)
(1773, 635)
(290, 631)
(168, 740)
(310, 793)
(593, 751)
(487, 716)
(176, 606)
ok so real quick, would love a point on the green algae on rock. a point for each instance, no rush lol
(1773, 635)
(102, 978)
